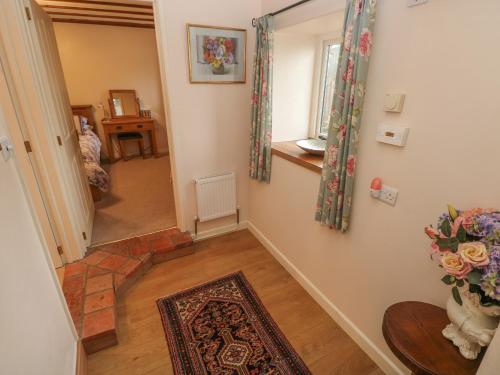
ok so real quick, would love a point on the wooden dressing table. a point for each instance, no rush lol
(128, 125)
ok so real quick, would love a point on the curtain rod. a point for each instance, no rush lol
(254, 20)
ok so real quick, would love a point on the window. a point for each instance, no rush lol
(330, 57)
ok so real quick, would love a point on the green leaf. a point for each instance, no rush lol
(448, 279)
(454, 242)
(453, 212)
(460, 283)
(462, 234)
(474, 278)
(456, 295)
(445, 228)
(443, 243)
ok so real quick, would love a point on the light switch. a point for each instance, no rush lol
(394, 102)
(393, 135)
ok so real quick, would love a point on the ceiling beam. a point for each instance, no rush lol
(99, 16)
(97, 10)
(106, 23)
(109, 3)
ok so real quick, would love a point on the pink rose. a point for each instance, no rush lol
(365, 43)
(455, 265)
(474, 253)
(358, 6)
(351, 165)
(347, 76)
(333, 185)
(341, 132)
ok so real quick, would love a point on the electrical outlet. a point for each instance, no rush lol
(388, 195)
(412, 3)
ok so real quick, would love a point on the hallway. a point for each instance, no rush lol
(142, 348)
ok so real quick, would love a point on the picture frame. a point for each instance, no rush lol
(216, 54)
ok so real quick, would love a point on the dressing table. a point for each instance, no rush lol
(126, 119)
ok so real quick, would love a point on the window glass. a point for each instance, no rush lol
(329, 71)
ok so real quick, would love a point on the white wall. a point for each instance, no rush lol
(98, 58)
(443, 56)
(209, 123)
(293, 76)
(305, 12)
(36, 337)
(297, 59)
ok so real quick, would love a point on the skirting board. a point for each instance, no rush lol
(384, 362)
(219, 231)
(81, 359)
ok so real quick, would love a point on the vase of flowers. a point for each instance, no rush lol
(467, 245)
(218, 52)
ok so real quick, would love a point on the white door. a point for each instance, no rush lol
(10, 119)
(64, 135)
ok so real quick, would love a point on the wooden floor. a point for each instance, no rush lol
(322, 344)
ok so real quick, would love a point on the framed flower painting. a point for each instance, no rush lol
(216, 54)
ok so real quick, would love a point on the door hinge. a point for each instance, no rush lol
(28, 13)
(84, 235)
(59, 140)
(60, 250)
(27, 144)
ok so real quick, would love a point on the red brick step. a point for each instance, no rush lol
(92, 284)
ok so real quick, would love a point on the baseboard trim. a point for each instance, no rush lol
(219, 231)
(81, 359)
(384, 362)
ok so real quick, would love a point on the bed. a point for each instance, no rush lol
(90, 145)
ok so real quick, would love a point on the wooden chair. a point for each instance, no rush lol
(123, 138)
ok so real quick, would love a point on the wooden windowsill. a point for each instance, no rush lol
(291, 152)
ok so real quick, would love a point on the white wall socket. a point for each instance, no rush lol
(388, 195)
(412, 3)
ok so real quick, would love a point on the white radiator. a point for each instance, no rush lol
(216, 196)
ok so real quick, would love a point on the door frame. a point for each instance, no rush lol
(12, 16)
(33, 114)
(161, 41)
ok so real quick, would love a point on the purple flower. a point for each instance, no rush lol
(486, 225)
(229, 59)
(442, 218)
(490, 280)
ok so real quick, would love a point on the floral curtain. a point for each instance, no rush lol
(260, 140)
(339, 165)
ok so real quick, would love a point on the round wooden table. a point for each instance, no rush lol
(413, 332)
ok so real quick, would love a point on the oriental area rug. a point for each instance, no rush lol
(221, 327)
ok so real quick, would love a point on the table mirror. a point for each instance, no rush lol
(123, 103)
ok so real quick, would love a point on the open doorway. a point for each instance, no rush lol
(110, 63)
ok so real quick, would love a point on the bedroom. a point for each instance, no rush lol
(130, 180)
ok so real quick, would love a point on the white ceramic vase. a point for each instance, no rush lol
(472, 325)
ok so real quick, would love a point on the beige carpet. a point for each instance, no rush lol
(140, 201)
